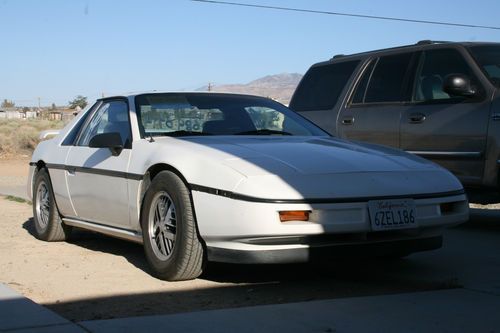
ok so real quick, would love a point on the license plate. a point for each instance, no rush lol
(392, 214)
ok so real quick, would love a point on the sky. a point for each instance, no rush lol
(57, 49)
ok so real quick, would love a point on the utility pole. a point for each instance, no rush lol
(209, 86)
(38, 102)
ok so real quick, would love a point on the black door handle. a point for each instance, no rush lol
(417, 118)
(348, 121)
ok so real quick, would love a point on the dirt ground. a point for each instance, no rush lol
(13, 172)
(94, 276)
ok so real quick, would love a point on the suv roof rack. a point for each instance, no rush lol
(428, 41)
(421, 42)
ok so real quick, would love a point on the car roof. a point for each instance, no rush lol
(421, 45)
(187, 93)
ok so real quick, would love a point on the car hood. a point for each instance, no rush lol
(302, 167)
(306, 155)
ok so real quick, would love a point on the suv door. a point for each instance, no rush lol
(450, 130)
(96, 179)
(374, 109)
(321, 89)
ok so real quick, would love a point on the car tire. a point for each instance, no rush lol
(172, 246)
(48, 224)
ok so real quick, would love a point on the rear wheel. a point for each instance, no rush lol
(48, 224)
(171, 242)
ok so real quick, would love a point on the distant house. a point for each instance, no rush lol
(10, 113)
(55, 115)
(30, 114)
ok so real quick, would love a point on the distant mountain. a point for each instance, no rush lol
(279, 87)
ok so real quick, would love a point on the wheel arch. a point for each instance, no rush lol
(40, 164)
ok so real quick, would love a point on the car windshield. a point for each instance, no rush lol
(488, 57)
(218, 114)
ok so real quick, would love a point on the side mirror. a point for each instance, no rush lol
(458, 85)
(113, 141)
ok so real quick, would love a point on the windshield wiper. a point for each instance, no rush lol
(185, 133)
(263, 132)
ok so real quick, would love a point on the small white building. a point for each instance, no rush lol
(30, 114)
(10, 114)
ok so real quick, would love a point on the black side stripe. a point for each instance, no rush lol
(95, 171)
(243, 197)
(238, 196)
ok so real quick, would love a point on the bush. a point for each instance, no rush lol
(19, 136)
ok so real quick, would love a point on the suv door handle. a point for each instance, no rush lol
(348, 121)
(417, 118)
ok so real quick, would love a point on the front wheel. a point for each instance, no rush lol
(171, 243)
(48, 224)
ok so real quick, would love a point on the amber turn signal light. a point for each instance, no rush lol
(294, 215)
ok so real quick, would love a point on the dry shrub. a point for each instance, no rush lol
(18, 136)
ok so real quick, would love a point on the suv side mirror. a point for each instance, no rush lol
(458, 85)
(113, 141)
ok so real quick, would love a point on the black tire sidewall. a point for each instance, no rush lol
(167, 182)
(43, 233)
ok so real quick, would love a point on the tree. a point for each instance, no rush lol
(26, 109)
(8, 104)
(53, 106)
(80, 101)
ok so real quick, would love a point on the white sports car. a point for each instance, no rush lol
(233, 178)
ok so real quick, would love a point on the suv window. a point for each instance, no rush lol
(322, 85)
(360, 93)
(386, 81)
(435, 65)
(488, 57)
(111, 117)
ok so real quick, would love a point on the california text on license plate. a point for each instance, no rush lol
(392, 214)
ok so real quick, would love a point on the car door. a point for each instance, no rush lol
(374, 109)
(449, 130)
(96, 179)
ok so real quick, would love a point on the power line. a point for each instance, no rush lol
(373, 17)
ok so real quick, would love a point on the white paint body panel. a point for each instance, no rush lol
(99, 198)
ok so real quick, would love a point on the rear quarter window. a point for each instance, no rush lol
(322, 85)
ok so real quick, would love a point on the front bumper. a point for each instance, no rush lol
(324, 253)
(242, 231)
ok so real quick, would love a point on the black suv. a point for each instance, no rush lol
(440, 100)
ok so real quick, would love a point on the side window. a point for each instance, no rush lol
(73, 134)
(322, 85)
(110, 117)
(388, 79)
(434, 67)
(360, 93)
